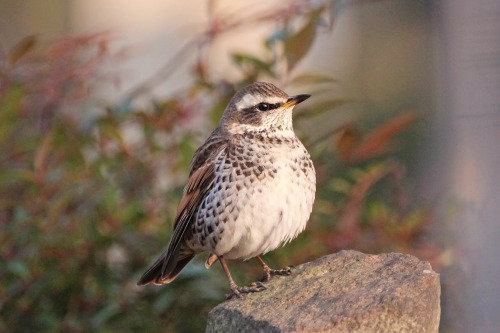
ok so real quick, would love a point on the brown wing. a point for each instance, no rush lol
(169, 265)
(202, 172)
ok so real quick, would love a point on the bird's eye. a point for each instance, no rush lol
(263, 106)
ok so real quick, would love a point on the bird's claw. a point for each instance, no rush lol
(284, 271)
(251, 288)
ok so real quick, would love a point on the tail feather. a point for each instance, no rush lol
(162, 272)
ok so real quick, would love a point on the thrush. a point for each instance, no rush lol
(251, 188)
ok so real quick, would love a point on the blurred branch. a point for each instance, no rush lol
(222, 23)
(217, 26)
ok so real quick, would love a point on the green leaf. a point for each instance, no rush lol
(11, 175)
(311, 78)
(10, 105)
(163, 302)
(340, 185)
(21, 49)
(251, 63)
(104, 314)
(298, 45)
(321, 107)
(18, 268)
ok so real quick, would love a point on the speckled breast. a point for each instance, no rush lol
(262, 196)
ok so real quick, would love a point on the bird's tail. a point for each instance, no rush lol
(165, 269)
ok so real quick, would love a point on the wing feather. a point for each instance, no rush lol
(200, 182)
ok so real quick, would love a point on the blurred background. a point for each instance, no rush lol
(103, 103)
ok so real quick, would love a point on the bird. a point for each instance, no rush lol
(251, 188)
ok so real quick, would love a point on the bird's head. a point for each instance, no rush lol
(260, 106)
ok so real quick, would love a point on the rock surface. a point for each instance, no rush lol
(344, 292)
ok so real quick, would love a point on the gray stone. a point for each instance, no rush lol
(344, 292)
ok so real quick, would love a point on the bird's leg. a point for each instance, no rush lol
(237, 290)
(268, 272)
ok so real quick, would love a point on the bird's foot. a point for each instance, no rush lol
(270, 272)
(252, 288)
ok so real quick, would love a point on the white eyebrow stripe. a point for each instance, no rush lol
(250, 100)
(275, 100)
(247, 101)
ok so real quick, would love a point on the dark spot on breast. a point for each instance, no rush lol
(249, 164)
(246, 173)
(210, 228)
(238, 172)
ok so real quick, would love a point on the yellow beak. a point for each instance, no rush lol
(294, 100)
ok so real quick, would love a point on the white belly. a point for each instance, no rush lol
(265, 211)
(276, 213)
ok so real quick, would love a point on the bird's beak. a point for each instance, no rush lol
(294, 100)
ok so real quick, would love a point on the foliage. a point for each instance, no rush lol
(88, 197)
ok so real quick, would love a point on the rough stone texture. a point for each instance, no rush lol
(344, 292)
